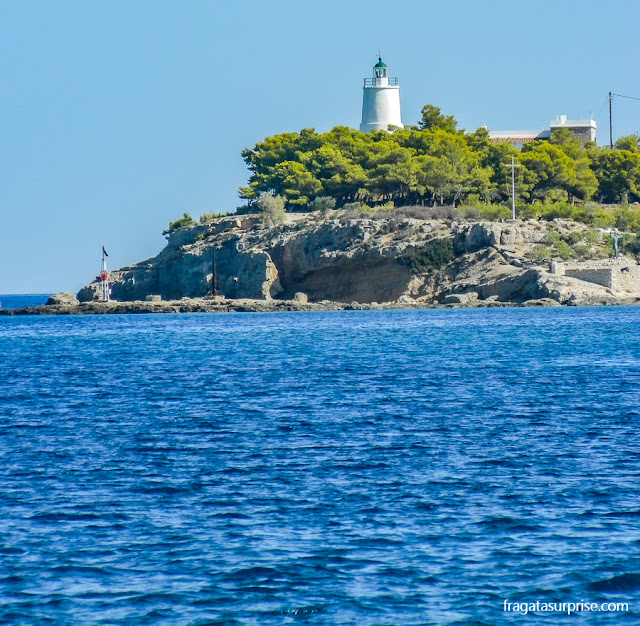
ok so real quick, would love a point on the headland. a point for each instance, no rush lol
(399, 259)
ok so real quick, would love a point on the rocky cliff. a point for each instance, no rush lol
(366, 260)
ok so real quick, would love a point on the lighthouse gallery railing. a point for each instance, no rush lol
(377, 82)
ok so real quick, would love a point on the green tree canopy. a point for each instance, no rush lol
(618, 174)
(435, 162)
(432, 119)
(628, 142)
(551, 169)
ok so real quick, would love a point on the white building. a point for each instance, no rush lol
(380, 100)
(585, 130)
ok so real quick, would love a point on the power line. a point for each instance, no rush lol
(604, 104)
(619, 95)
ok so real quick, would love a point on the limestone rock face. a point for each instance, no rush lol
(89, 292)
(359, 262)
(461, 298)
(64, 298)
(476, 236)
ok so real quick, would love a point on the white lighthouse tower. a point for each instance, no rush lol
(380, 100)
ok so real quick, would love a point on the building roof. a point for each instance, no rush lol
(380, 63)
(562, 120)
(517, 136)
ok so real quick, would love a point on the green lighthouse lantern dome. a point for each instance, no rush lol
(380, 69)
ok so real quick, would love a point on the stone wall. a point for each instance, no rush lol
(617, 274)
(599, 276)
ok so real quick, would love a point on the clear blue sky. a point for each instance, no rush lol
(116, 117)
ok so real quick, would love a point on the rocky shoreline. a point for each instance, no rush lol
(380, 261)
(245, 305)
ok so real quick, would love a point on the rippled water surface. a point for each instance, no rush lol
(17, 301)
(323, 468)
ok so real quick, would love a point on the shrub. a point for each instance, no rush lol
(564, 251)
(527, 211)
(552, 237)
(633, 246)
(470, 212)
(561, 210)
(416, 212)
(353, 211)
(493, 212)
(582, 251)
(588, 213)
(427, 212)
(540, 253)
(185, 220)
(628, 218)
(445, 213)
(323, 204)
(582, 242)
(205, 217)
(592, 237)
(482, 211)
(594, 215)
(356, 206)
(575, 238)
(430, 212)
(272, 209)
(606, 250)
(433, 255)
(560, 247)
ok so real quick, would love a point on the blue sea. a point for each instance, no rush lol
(17, 301)
(356, 467)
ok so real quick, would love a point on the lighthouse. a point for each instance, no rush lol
(380, 100)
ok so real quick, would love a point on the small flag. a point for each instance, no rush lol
(104, 251)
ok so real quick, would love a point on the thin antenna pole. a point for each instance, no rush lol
(513, 190)
(513, 186)
(610, 123)
(214, 278)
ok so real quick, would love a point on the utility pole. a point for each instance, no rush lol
(214, 277)
(513, 166)
(610, 123)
